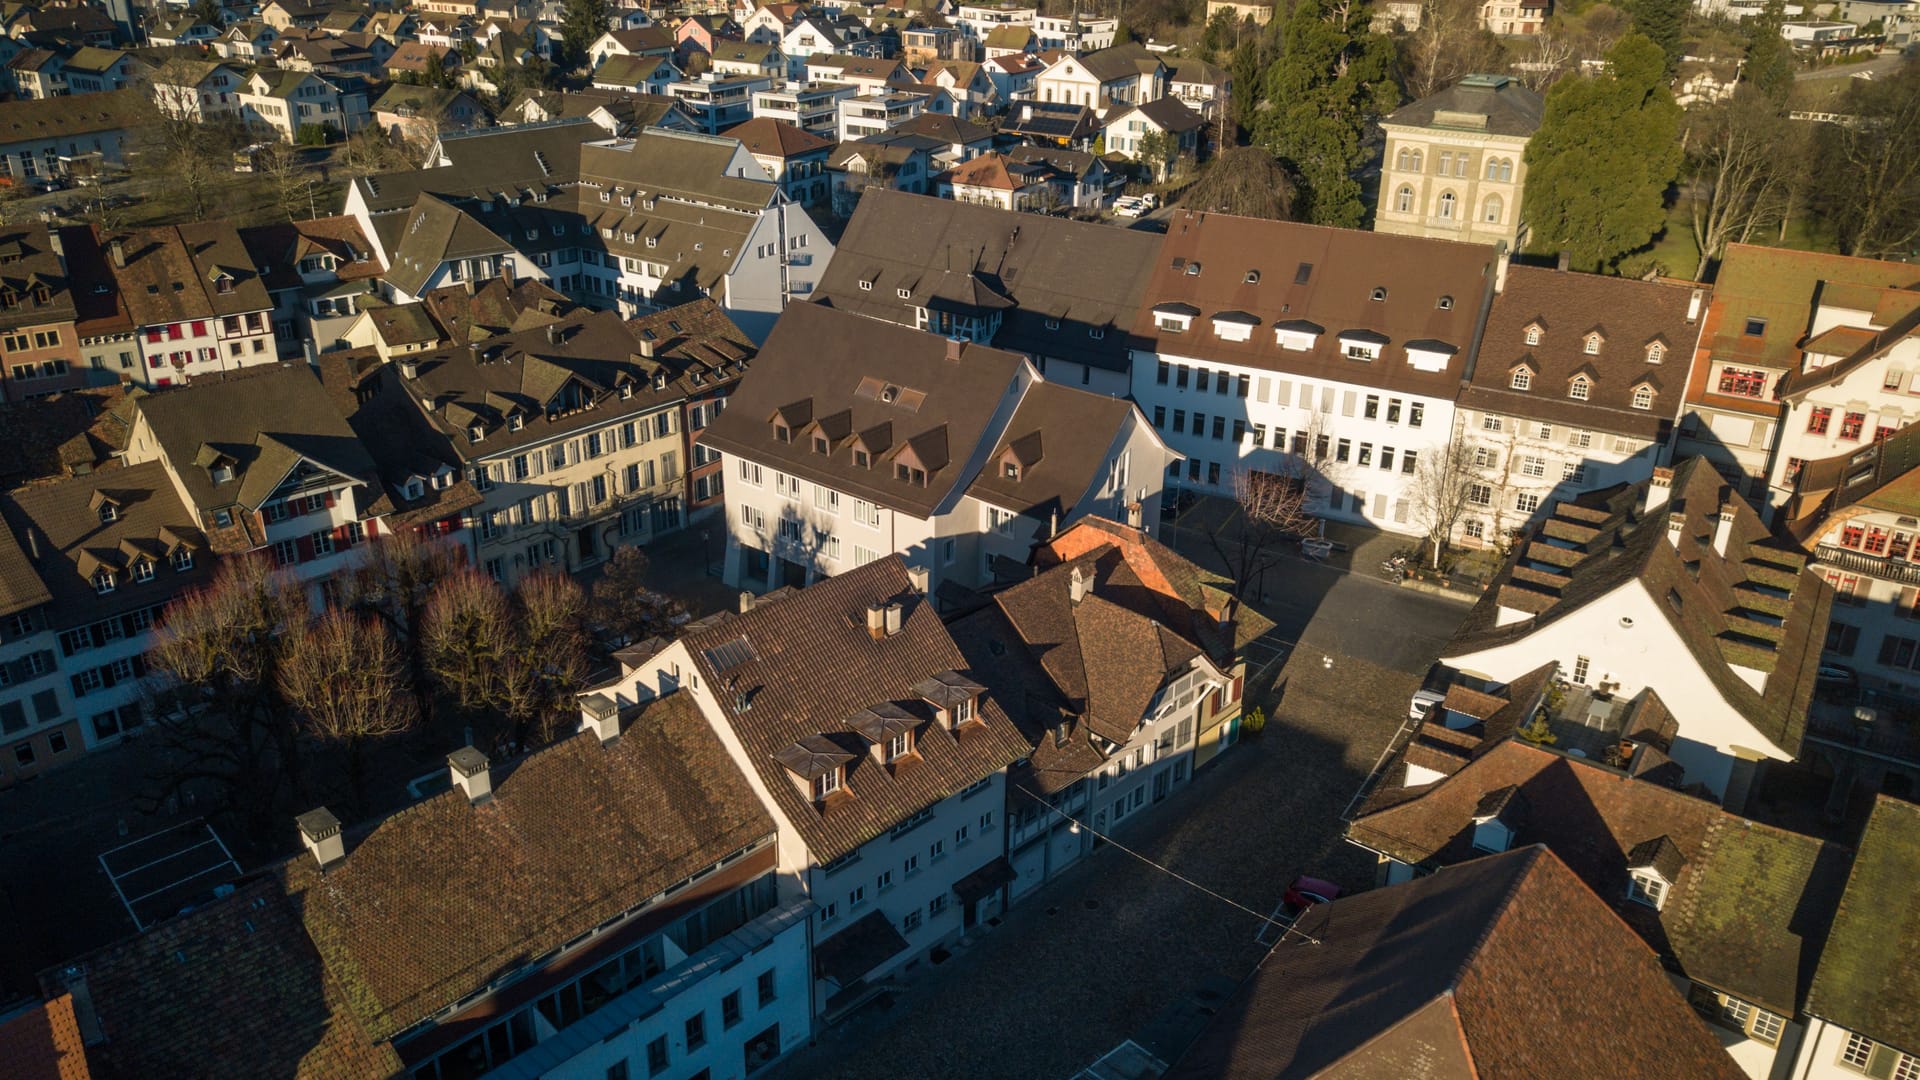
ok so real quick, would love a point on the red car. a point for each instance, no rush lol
(1304, 893)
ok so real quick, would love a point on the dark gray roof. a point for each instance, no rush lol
(1505, 106)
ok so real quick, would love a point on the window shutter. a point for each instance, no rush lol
(139, 665)
(1239, 686)
(303, 545)
(328, 497)
(1906, 602)
(106, 677)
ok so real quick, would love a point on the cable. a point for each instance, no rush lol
(1285, 928)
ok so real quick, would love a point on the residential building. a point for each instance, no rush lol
(1455, 163)
(1764, 307)
(853, 439)
(979, 20)
(638, 74)
(1155, 134)
(1013, 75)
(1857, 1023)
(72, 433)
(1682, 568)
(972, 87)
(646, 41)
(791, 157)
(1438, 971)
(634, 224)
(289, 101)
(1072, 127)
(1075, 33)
(812, 107)
(1515, 18)
(421, 114)
(37, 136)
(1123, 75)
(246, 41)
(198, 90)
(1853, 512)
(719, 102)
(867, 115)
(41, 351)
(699, 340)
(1038, 300)
(92, 70)
(38, 74)
(319, 273)
(749, 59)
(871, 74)
(1332, 357)
(194, 298)
(1855, 380)
(619, 113)
(886, 781)
(653, 932)
(812, 36)
(995, 180)
(1576, 387)
(1009, 41)
(103, 321)
(94, 560)
(1123, 665)
(868, 165)
(1259, 13)
(1078, 180)
(1201, 86)
(1669, 864)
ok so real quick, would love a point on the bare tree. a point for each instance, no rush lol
(1270, 508)
(1551, 54)
(191, 148)
(1740, 178)
(345, 674)
(1443, 482)
(468, 640)
(550, 614)
(291, 186)
(1450, 44)
(394, 582)
(625, 607)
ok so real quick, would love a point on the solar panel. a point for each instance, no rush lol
(731, 654)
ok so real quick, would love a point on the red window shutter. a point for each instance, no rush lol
(329, 499)
(373, 527)
(1239, 686)
(341, 537)
(304, 545)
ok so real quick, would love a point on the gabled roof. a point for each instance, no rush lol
(30, 268)
(1779, 289)
(768, 137)
(1728, 609)
(813, 663)
(1437, 978)
(1167, 114)
(1868, 979)
(171, 270)
(1884, 475)
(1795, 385)
(995, 171)
(1071, 468)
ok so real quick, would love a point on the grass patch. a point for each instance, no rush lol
(1672, 252)
(245, 199)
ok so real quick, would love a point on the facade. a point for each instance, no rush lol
(1515, 18)
(1763, 310)
(1455, 164)
(998, 181)
(1323, 356)
(289, 102)
(1576, 387)
(853, 439)
(812, 107)
(39, 344)
(1123, 682)
(1167, 120)
(319, 274)
(718, 102)
(1679, 568)
(1123, 75)
(791, 157)
(886, 782)
(195, 300)
(36, 135)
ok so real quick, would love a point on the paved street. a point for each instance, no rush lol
(1099, 953)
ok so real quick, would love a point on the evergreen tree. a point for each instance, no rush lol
(1599, 166)
(581, 24)
(1769, 62)
(1332, 78)
(1664, 22)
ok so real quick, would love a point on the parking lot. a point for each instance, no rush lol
(160, 875)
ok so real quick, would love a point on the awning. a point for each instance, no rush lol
(984, 880)
(868, 942)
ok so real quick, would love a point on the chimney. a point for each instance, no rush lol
(320, 832)
(646, 349)
(1655, 494)
(468, 285)
(877, 621)
(1500, 264)
(745, 603)
(917, 578)
(1566, 260)
(1676, 524)
(1723, 529)
(954, 345)
(893, 619)
(409, 369)
(1136, 516)
(469, 769)
(601, 715)
(33, 544)
(553, 334)
(1693, 305)
(118, 248)
(1077, 586)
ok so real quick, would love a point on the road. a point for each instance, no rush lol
(1884, 64)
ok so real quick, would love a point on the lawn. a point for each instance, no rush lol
(1674, 255)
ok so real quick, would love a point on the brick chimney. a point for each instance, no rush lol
(320, 832)
(471, 774)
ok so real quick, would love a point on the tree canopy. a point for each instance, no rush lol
(1599, 166)
(1332, 78)
(1243, 180)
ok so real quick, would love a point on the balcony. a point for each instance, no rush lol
(1859, 562)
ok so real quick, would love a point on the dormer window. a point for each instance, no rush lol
(862, 459)
(415, 489)
(1592, 346)
(476, 433)
(1533, 334)
(912, 475)
(1656, 352)
(515, 422)
(1643, 397)
(103, 582)
(1652, 868)
(1011, 470)
(1579, 388)
(904, 294)
(899, 746)
(108, 513)
(182, 560)
(1647, 887)
(866, 286)
(142, 571)
(783, 433)
(1445, 303)
(222, 473)
(826, 784)
(821, 445)
(1522, 379)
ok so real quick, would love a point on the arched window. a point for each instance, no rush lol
(1401, 159)
(1493, 169)
(1579, 389)
(1643, 397)
(1506, 168)
(1593, 345)
(1495, 207)
(1656, 352)
(1533, 335)
(1403, 201)
(1522, 379)
(1419, 161)
(1446, 206)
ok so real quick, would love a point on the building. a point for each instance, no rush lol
(1858, 1023)
(1038, 300)
(1075, 33)
(289, 102)
(1079, 180)
(421, 114)
(1122, 75)
(811, 107)
(1122, 663)
(1325, 356)
(632, 224)
(1455, 163)
(995, 180)
(792, 157)
(864, 116)
(1261, 14)
(716, 101)
(1515, 18)
(651, 931)
(1436, 976)
(1673, 867)
(1072, 127)
(41, 353)
(194, 298)
(1155, 134)
(879, 754)
(699, 340)
(1682, 568)
(92, 70)
(319, 273)
(1576, 387)
(635, 74)
(197, 90)
(35, 136)
(1763, 311)
(853, 439)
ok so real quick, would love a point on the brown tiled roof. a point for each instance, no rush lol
(74, 542)
(769, 137)
(1063, 752)
(1615, 545)
(234, 989)
(374, 399)
(1072, 432)
(42, 1042)
(810, 664)
(73, 431)
(1743, 914)
(1629, 315)
(444, 896)
(34, 119)
(840, 366)
(993, 170)
(1869, 975)
(278, 249)
(1490, 969)
(99, 306)
(1343, 268)
(170, 272)
(30, 268)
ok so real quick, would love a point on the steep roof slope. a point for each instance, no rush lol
(1868, 979)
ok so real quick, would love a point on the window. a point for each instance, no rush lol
(1526, 502)
(911, 922)
(1416, 414)
(1490, 423)
(1522, 379)
(1643, 397)
(1818, 418)
(1495, 208)
(911, 866)
(1647, 887)
(828, 913)
(1742, 382)
(1483, 458)
(1533, 467)
(730, 1010)
(1857, 1052)
(1579, 388)
(182, 560)
(884, 881)
(936, 906)
(1581, 665)
(1576, 471)
(938, 851)
(1447, 201)
(1852, 424)
(696, 1031)
(1533, 335)
(657, 1056)
(1403, 200)
(1475, 528)
(1480, 495)
(1656, 352)
(1756, 327)
(765, 988)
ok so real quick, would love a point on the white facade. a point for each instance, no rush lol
(1526, 465)
(1869, 556)
(1870, 402)
(1254, 419)
(1830, 1052)
(173, 353)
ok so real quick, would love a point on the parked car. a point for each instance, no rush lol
(1130, 206)
(1304, 894)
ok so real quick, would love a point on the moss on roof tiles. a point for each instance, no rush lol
(1869, 974)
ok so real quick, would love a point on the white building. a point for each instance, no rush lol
(1291, 350)
(880, 757)
(852, 439)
